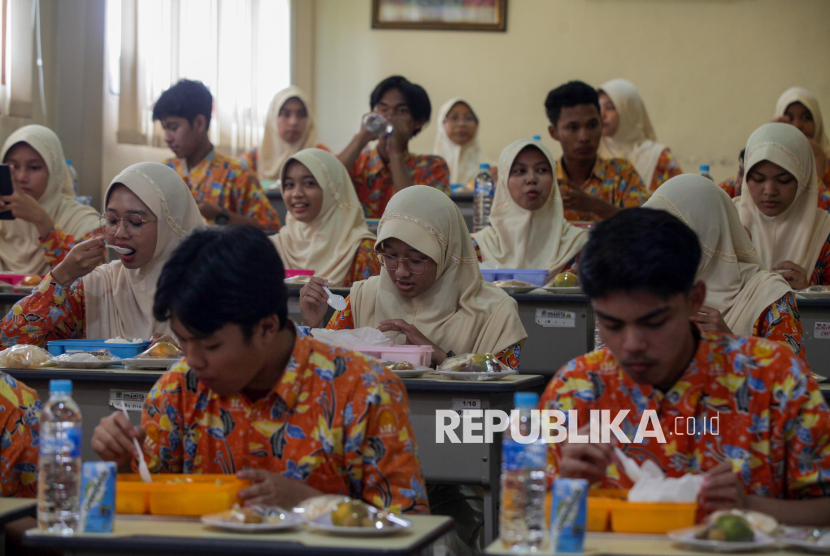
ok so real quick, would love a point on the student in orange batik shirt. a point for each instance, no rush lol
(225, 191)
(769, 449)
(252, 396)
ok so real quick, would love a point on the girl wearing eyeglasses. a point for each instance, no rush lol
(48, 221)
(430, 289)
(149, 209)
(456, 141)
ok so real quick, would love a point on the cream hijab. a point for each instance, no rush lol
(463, 160)
(736, 283)
(799, 233)
(460, 312)
(273, 152)
(119, 301)
(805, 97)
(635, 139)
(519, 238)
(20, 248)
(328, 243)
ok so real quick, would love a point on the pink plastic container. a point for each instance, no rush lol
(293, 273)
(13, 279)
(417, 355)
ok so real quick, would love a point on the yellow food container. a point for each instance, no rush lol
(176, 494)
(651, 517)
(600, 502)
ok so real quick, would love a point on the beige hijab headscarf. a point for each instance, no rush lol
(273, 152)
(119, 301)
(460, 312)
(20, 248)
(805, 97)
(635, 139)
(736, 283)
(519, 238)
(462, 160)
(799, 233)
(328, 243)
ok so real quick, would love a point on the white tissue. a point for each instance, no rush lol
(359, 337)
(651, 485)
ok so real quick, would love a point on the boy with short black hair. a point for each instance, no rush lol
(225, 191)
(743, 411)
(379, 173)
(255, 397)
(592, 187)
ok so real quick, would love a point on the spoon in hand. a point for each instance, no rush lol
(335, 301)
(122, 250)
(143, 470)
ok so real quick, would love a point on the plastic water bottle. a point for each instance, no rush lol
(523, 485)
(377, 124)
(704, 171)
(537, 137)
(482, 198)
(73, 174)
(59, 464)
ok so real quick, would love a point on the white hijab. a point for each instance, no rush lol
(273, 152)
(635, 139)
(805, 97)
(20, 249)
(119, 301)
(462, 160)
(799, 233)
(520, 238)
(460, 311)
(328, 243)
(736, 283)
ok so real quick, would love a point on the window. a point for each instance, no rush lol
(240, 49)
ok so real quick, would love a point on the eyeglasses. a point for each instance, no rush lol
(457, 119)
(133, 224)
(413, 266)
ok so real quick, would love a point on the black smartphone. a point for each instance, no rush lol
(6, 188)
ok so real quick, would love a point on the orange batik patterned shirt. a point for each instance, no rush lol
(773, 424)
(20, 410)
(338, 421)
(614, 180)
(222, 181)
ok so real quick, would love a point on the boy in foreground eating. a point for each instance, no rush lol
(769, 449)
(253, 397)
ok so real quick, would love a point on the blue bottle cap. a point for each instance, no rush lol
(704, 168)
(60, 387)
(537, 137)
(69, 162)
(526, 399)
(483, 166)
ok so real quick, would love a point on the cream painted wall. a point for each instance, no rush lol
(709, 71)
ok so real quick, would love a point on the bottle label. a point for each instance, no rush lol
(479, 189)
(67, 442)
(516, 456)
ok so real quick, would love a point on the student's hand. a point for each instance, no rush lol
(271, 489)
(722, 489)
(793, 274)
(314, 301)
(80, 261)
(709, 319)
(159, 337)
(27, 208)
(112, 439)
(413, 337)
(573, 198)
(364, 135)
(209, 210)
(585, 461)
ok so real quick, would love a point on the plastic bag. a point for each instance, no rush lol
(314, 507)
(95, 357)
(23, 357)
(474, 363)
(359, 337)
(161, 350)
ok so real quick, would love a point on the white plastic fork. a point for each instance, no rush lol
(143, 470)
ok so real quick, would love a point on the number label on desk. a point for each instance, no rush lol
(133, 401)
(550, 318)
(822, 331)
(461, 405)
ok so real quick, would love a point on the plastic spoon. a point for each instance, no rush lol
(143, 470)
(122, 250)
(335, 301)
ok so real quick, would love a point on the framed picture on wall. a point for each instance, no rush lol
(450, 15)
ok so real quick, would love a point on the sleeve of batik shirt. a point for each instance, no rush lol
(728, 186)
(802, 417)
(51, 312)
(253, 203)
(379, 446)
(439, 175)
(342, 320)
(511, 355)
(162, 420)
(477, 250)
(249, 160)
(20, 410)
(631, 192)
(365, 264)
(781, 323)
(667, 168)
(57, 244)
(821, 273)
